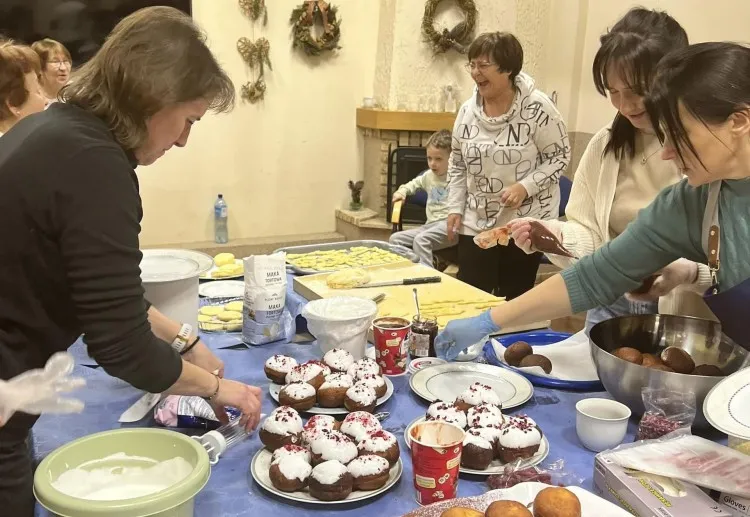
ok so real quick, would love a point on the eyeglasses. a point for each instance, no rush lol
(59, 63)
(471, 66)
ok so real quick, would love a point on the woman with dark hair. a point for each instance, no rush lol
(620, 172)
(71, 218)
(20, 93)
(700, 96)
(510, 146)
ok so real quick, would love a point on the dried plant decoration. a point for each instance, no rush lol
(457, 38)
(310, 13)
(254, 9)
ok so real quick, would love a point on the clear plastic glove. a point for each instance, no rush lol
(459, 335)
(39, 391)
(679, 272)
(520, 230)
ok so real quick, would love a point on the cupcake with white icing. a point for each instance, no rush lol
(282, 427)
(316, 424)
(369, 472)
(363, 367)
(360, 397)
(477, 453)
(311, 373)
(290, 473)
(333, 390)
(330, 481)
(290, 450)
(278, 366)
(380, 443)
(359, 424)
(376, 382)
(519, 439)
(445, 412)
(475, 395)
(298, 395)
(338, 360)
(332, 445)
(484, 415)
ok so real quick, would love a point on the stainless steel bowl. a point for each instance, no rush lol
(652, 333)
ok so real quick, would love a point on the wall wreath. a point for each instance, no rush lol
(305, 16)
(458, 37)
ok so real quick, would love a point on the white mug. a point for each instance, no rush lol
(601, 424)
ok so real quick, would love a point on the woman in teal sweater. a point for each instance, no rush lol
(700, 100)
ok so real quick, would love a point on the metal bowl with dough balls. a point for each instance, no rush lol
(652, 334)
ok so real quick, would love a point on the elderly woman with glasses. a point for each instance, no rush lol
(56, 64)
(510, 146)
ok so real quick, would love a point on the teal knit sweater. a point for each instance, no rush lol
(668, 229)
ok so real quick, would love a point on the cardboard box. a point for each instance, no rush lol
(736, 505)
(648, 496)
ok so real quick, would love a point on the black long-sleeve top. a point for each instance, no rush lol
(70, 216)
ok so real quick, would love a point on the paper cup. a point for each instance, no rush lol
(391, 336)
(436, 457)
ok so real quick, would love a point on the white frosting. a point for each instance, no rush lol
(298, 390)
(326, 369)
(489, 433)
(510, 420)
(294, 467)
(484, 415)
(484, 408)
(368, 465)
(363, 367)
(477, 440)
(290, 450)
(303, 373)
(361, 394)
(281, 363)
(514, 437)
(359, 424)
(338, 380)
(373, 381)
(479, 393)
(333, 445)
(311, 434)
(329, 472)
(320, 422)
(378, 441)
(283, 421)
(445, 412)
(338, 359)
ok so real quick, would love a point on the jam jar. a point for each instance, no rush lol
(424, 330)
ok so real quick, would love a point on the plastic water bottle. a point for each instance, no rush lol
(221, 235)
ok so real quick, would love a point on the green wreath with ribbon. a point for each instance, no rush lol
(310, 13)
(457, 38)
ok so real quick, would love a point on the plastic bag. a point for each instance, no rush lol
(666, 412)
(39, 391)
(188, 413)
(689, 458)
(265, 318)
(551, 473)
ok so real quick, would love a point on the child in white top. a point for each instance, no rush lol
(433, 235)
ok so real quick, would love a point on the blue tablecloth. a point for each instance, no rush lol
(230, 491)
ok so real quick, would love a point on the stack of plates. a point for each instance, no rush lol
(424, 362)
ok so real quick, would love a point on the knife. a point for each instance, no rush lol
(405, 281)
(141, 408)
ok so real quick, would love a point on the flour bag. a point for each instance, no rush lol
(265, 317)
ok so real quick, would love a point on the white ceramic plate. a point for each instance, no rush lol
(423, 362)
(261, 464)
(207, 274)
(726, 405)
(448, 381)
(591, 505)
(274, 390)
(205, 262)
(223, 289)
(496, 467)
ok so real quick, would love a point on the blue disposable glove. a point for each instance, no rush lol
(459, 335)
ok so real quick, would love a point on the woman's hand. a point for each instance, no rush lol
(679, 272)
(520, 230)
(201, 355)
(513, 196)
(241, 396)
(397, 196)
(454, 225)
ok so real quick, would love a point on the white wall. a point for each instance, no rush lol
(703, 21)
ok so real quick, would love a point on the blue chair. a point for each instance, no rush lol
(565, 186)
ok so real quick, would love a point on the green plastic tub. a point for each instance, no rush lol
(156, 444)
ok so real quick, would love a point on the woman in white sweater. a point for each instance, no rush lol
(510, 146)
(621, 170)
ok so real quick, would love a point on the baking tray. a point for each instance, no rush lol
(345, 245)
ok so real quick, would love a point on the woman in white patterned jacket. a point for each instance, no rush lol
(510, 147)
(621, 170)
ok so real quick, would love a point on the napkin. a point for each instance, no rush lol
(570, 358)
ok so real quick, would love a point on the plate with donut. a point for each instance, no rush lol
(448, 381)
(493, 440)
(336, 385)
(525, 500)
(323, 461)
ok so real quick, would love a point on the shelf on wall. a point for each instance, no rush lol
(404, 120)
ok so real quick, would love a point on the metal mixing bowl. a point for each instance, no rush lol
(652, 333)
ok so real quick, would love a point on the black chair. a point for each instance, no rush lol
(405, 164)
